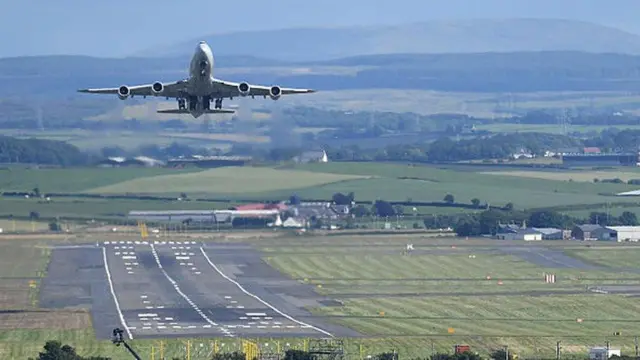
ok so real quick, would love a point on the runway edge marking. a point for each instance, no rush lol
(258, 298)
(113, 293)
(184, 296)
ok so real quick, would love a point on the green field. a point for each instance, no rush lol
(429, 183)
(369, 182)
(390, 298)
(74, 179)
(228, 180)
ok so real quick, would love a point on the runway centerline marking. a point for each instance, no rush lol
(113, 293)
(177, 288)
(258, 298)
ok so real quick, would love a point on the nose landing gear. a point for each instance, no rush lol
(218, 104)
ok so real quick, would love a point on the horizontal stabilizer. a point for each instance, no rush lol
(185, 111)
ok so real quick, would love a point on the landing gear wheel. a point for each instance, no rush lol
(206, 103)
(218, 104)
(193, 103)
(182, 104)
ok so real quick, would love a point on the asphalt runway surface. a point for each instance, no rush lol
(550, 258)
(182, 289)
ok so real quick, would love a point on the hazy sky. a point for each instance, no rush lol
(119, 28)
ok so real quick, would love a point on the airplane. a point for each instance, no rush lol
(195, 94)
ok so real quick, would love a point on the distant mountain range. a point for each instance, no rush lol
(460, 36)
(480, 72)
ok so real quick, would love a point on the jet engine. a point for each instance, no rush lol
(244, 89)
(157, 88)
(123, 92)
(275, 92)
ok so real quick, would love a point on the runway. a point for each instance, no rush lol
(169, 289)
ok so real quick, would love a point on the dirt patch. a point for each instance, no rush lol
(61, 320)
(15, 294)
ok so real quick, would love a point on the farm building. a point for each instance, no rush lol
(139, 161)
(589, 232)
(625, 233)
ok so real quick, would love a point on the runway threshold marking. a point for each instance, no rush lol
(258, 298)
(113, 293)
(177, 288)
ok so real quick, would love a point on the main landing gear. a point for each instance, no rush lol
(193, 102)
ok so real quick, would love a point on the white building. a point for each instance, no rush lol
(625, 233)
(312, 157)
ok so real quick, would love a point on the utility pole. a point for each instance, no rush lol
(506, 352)
(636, 343)
(558, 350)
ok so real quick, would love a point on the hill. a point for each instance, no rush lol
(456, 36)
(60, 76)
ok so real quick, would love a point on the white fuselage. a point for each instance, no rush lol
(201, 71)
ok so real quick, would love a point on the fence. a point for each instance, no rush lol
(407, 347)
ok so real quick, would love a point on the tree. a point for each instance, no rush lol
(294, 200)
(475, 202)
(547, 219)
(54, 226)
(34, 215)
(183, 196)
(628, 219)
(449, 199)
(360, 211)
(383, 208)
(501, 354)
(341, 199)
(36, 191)
(509, 207)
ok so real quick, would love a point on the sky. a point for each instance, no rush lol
(117, 28)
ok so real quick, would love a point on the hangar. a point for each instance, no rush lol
(626, 233)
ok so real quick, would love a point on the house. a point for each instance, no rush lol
(319, 156)
(553, 233)
(521, 234)
(590, 232)
(294, 223)
(625, 233)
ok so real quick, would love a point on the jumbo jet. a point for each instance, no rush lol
(195, 94)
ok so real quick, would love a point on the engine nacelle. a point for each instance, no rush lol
(157, 88)
(275, 92)
(244, 89)
(124, 92)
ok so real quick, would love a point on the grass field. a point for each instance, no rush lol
(621, 256)
(570, 175)
(549, 128)
(238, 180)
(74, 179)
(427, 183)
(370, 276)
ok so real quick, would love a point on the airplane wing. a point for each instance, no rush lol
(171, 89)
(227, 89)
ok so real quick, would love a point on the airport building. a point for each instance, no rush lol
(625, 233)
